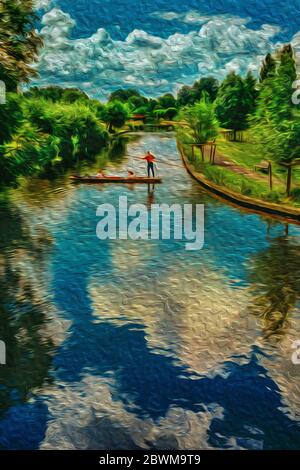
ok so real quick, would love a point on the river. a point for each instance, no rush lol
(126, 344)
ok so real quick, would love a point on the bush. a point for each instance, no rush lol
(47, 136)
(76, 125)
(28, 155)
(11, 116)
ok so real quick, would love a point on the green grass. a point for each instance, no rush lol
(241, 184)
(244, 154)
(248, 154)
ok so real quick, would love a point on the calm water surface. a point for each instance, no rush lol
(126, 345)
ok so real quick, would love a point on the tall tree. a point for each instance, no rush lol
(250, 84)
(166, 101)
(206, 85)
(124, 94)
(136, 102)
(276, 123)
(268, 68)
(275, 97)
(186, 96)
(234, 102)
(283, 84)
(19, 42)
(114, 115)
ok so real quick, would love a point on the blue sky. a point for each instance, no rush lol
(157, 46)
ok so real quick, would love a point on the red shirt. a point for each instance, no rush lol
(150, 158)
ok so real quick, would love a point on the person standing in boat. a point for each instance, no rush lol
(150, 159)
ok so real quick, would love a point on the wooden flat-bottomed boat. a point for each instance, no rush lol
(115, 179)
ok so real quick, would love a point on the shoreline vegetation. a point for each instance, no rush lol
(251, 121)
(252, 204)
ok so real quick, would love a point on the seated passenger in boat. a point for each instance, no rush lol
(100, 174)
(131, 174)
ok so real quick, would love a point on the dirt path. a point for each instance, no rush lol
(226, 162)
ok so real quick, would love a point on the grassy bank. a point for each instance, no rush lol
(245, 155)
(249, 154)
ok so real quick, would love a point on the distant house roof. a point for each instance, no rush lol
(138, 116)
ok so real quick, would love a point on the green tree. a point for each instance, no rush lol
(268, 68)
(282, 86)
(208, 86)
(234, 102)
(201, 121)
(280, 143)
(165, 108)
(57, 93)
(114, 115)
(19, 42)
(124, 94)
(276, 121)
(251, 89)
(136, 102)
(165, 113)
(77, 127)
(186, 96)
(275, 97)
(189, 95)
(47, 137)
(166, 101)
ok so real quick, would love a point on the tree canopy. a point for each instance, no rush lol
(124, 94)
(201, 120)
(114, 115)
(189, 95)
(268, 68)
(276, 120)
(57, 93)
(235, 101)
(19, 42)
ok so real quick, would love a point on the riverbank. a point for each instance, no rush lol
(258, 205)
(45, 135)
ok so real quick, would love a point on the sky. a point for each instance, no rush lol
(158, 46)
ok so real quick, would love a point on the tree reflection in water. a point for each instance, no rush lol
(117, 150)
(24, 309)
(275, 274)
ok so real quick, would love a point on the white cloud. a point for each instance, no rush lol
(88, 416)
(193, 17)
(57, 27)
(139, 38)
(42, 4)
(153, 64)
(168, 15)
